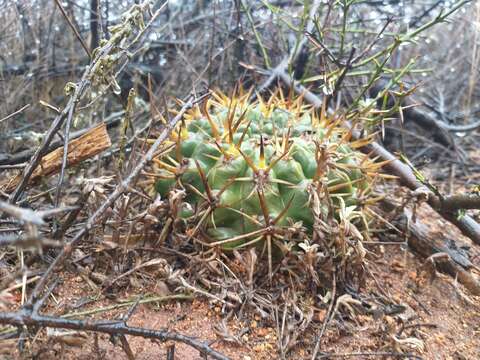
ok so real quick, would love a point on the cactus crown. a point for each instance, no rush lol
(252, 172)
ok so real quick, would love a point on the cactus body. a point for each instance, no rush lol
(247, 167)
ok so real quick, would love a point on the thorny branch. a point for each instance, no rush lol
(465, 223)
(114, 327)
(22, 318)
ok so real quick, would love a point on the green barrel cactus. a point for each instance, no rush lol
(249, 171)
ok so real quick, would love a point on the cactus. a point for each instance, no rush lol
(249, 171)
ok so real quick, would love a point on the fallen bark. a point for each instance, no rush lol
(86, 146)
(23, 156)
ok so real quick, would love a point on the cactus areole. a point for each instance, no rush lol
(248, 172)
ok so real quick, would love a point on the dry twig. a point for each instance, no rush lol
(22, 318)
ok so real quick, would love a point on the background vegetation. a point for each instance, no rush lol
(403, 72)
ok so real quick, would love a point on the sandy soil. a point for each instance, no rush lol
(441, 317)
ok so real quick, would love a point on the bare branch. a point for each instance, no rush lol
(104, 326)
(466, 224)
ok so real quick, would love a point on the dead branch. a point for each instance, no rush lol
(461, 128)
(31, 220)
(73, 215)
(411, 113)
(27, 241)
(327, 319)
(22, 318)
(15, 113)
(86, 146)
(29, 216)
(468, 226)
(428, 123)
(459, 201)
(74, 29)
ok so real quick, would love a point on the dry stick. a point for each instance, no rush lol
(461, 128)
(171, 352)
(66, 141)
(25, 241)
(126, 347)
(119, 190)
(108, 327)
(123, 339)
(30, 216)
(77, 34)
(327, 318)
(14, 113)
(460, 201)
(10, 167)
(72, 216)
(121, 304)
(129, 303)
(468, 226)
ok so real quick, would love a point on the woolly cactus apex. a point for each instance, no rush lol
(252, 172)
